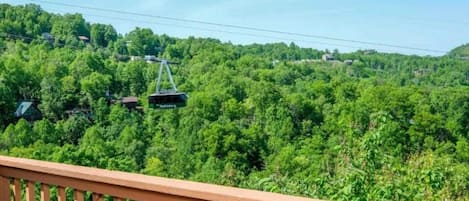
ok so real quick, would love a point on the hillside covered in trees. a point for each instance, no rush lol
(272, 117)
(461, 51)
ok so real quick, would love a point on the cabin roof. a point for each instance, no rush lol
(47, 36)
(150, 58)
(83, 38)
(22, 108)
(129, 99)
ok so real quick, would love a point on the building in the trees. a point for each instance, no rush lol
(135, 58)
(131, 102)
(327, 57)
(84, 38)
(348, 62)
(150, 58)
(48, 37)
(28, 110)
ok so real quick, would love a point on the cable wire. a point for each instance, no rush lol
(243, 27)
(220, 31)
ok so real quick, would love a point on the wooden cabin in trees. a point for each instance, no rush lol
(28, 110)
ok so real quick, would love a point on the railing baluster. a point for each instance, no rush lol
(61, 196)
(30, 194)
(4, 188)
(45, 192)
(79, 195)
(17, 190)
(98, 197)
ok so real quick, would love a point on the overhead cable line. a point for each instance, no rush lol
(16, 36)
(244, 27)
(224, 31)
(220, 31)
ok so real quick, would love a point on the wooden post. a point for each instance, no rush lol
(45, 192)
(17, 190)
(61, 196)
(79, 195)
(30, 194)
(4, 188)
(97, 197)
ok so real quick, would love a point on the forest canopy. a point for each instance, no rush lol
(273, 117)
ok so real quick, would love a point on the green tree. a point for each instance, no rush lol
(67, 28)
(142, 41)
(51, 99)
(45, 131)
(23, 133)
(6, 104)
(95, 85)
(101, 35)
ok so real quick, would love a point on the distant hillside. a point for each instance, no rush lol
(461, 51)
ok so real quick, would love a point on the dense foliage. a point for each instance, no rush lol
(271, 117)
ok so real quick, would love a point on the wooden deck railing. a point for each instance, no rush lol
(19, 175)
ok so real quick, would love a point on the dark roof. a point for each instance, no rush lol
(28, 110)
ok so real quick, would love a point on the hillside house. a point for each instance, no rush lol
(27, 110)
(327, 57)
(348, 62)
(131, 102)
(84, 38)
(135, 58)
(150, 58)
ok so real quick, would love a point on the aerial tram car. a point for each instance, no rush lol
(166, 98)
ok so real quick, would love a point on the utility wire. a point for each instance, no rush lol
(224, 31)
(16, 36)
(220, 31)
(243, 27)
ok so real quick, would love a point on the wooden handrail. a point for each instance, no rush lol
(120, 185)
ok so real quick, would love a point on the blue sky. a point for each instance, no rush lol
(430, 24)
